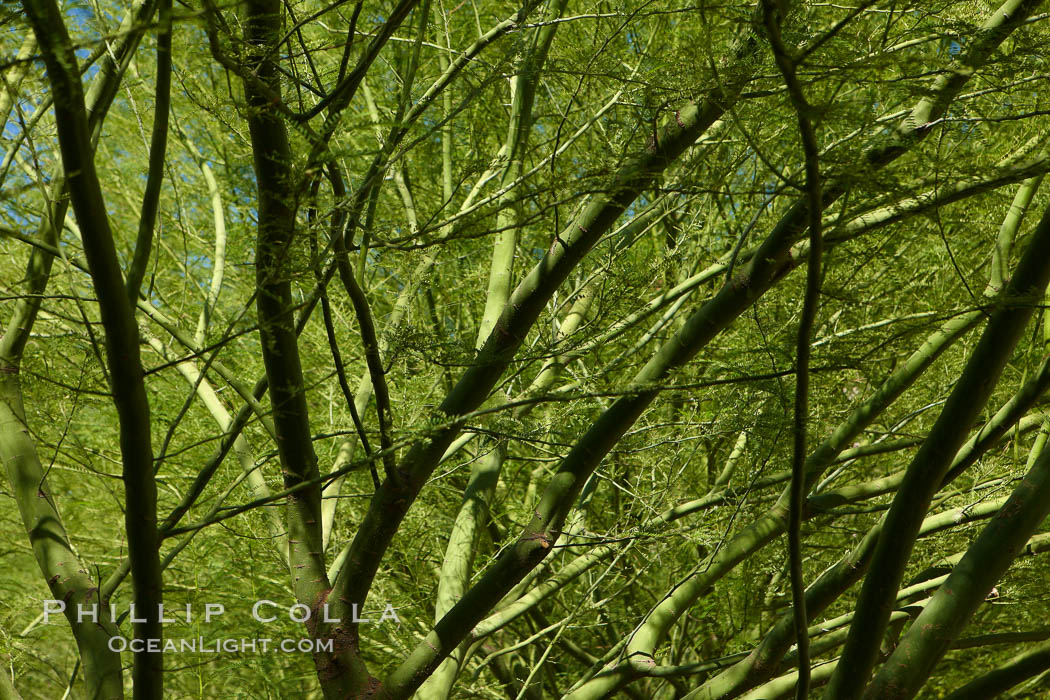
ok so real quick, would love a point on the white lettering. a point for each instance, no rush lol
(259, 604)
(303, 616)
(389, 614)
(213, 609)
(87, 611)
(52, 607)
(353, 613)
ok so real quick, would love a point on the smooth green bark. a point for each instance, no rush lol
(967, 587)
(1012, 673)
(340, 670)
(934, 460)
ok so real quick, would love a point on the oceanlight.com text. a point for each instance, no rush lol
(230, 645)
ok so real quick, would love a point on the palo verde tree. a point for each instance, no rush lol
(617, 349)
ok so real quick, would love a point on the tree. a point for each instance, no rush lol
(466, 348)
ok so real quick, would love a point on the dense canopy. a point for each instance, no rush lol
(639, 349)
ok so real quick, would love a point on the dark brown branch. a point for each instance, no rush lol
(797, 492)
(157, 151)
(122, 341)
